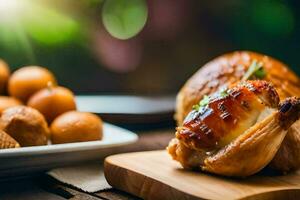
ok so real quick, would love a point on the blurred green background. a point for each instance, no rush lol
(76, 39)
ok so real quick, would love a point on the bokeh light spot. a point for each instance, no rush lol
(49, 27)
(124, 19)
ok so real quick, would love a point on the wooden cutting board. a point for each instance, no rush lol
(154, 175)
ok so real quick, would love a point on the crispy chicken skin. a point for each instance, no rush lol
(243, 144)
(227, 116)
(229, 69)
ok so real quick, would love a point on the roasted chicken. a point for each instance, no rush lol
(235, 131)
(232, 68)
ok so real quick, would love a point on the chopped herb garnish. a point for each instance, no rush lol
(196, 107)
(255, 71)
(224, 92)
(204, 102)
(260, 73)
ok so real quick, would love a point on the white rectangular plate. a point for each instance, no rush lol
(26, 160)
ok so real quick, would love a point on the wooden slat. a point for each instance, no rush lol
(115, 195)
(25, 189)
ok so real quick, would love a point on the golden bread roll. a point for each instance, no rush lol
(7, 102)
(27, 80)
(7, 142)
(26, 125)
(74, 126)
(53, 101)
(4, 76)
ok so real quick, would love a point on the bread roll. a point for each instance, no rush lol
(74, 126)
(26, 125)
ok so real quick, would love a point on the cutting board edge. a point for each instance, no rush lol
(109, 166)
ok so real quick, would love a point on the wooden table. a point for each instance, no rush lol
(41, 186)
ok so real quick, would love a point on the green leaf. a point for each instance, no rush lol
(196, 107)
(255, 70)
(224, 92)
(50, 27)
(260, 73)
(204, 102)
(124, 19)
(13, 38)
